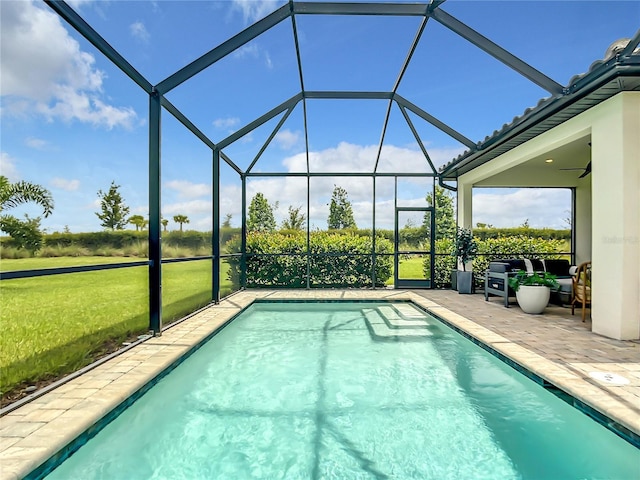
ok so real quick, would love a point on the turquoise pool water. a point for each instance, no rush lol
(348, 391)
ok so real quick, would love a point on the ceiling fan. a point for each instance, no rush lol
(587, 170)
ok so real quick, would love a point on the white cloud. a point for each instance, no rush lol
(64, 184)
(78, 3)
(190, 208)
(36, 143)
(8, 167)
(253, 10)
(189, 190)
(255, 51)
(44, 70)
(286, 139)
(542, 207)
(139, 31)
(226, 123)
(346, 157)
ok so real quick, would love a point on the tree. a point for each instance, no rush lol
(227, 221)
(181, 219)
(260, 215)
(340, 211)
(164, 223)
(445, 217)
(114, 211)
(296, 220)
(138, 221)
(26, 232)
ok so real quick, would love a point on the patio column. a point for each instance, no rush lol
(582, 225)
(465, 208)
(616, 218)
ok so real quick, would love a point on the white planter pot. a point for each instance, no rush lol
(533, 298)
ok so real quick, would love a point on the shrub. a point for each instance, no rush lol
(337, 260)
(545, 233)
(8, 252)
(515, 247)
(64, 251)
(444, 263)
(489, 250)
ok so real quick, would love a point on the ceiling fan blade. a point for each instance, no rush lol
(587, 170)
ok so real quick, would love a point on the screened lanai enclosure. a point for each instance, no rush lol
(337, 120)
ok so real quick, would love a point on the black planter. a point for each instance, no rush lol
(454, 279)
(465, 281)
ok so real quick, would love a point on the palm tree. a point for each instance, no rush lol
(181, 219)
(25, 232)
(138, 221)
(164, 223)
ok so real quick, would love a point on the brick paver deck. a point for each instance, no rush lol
(556, 346)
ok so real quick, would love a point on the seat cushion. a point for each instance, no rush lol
(515, 264)
(558, 267)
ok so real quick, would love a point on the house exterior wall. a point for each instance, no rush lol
(607, 205)
(615, 205)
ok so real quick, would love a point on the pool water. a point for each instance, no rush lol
(348, 391)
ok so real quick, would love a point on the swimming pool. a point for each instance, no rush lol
(348, 390)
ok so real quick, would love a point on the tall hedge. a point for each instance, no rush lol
(337, 260)
(546, 233)
(519, 246)
(190, 239)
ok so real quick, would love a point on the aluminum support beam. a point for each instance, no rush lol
(155, 251)
(186, 122)
(268, 141)
(84, 29)
(412, 49)
(497, 52)
(342, 95)
(259, 121)
(334, 8)
(195, 130)
(215, 233)
(382, 135)
(417, 137)
(336, 174)
(403, 102)
(223, 49)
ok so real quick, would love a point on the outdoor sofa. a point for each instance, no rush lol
(496, 278)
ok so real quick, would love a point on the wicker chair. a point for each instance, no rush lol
(581, 291)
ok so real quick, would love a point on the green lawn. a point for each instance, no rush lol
(57, 262)
(411, 268)
(55, 324)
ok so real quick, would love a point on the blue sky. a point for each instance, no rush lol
(72, 122)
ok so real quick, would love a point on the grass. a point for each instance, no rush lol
(410, 268)
(56, 324)
(9, 265)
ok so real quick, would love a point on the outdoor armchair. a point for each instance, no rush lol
(581, 291)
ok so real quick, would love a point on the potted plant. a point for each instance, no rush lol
(466, 249)
(533, 290)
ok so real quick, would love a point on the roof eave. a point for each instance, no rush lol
(547, 108)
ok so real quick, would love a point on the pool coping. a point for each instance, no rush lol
(35, 437)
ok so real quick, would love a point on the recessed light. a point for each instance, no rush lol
(549, 160)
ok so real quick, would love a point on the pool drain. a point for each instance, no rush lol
(610, 378)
